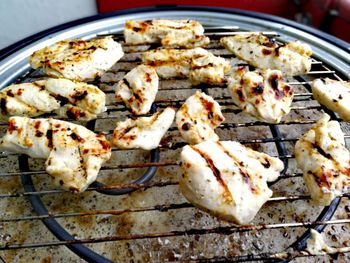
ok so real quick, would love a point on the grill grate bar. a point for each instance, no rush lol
(217, 230)
(160, 208)
(126, 186)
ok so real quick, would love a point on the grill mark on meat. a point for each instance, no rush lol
(259, 89)
(123, 132)
(105, 145)
(186, 126)
(240, 94)
(321, 151)
(137, 96)
(62, 100)
(76, 137)
(273, 80)
(12, 126)
(208, 106)
(75, 114)
(80, 95)
(3, 107)
(266, 52)
(244, 174)
(216, 172)
(127, 83)
(37, 124)
(82, 168)
(41, 87)
(38, 133)
(10, 93)
(148, 77)
(49, 139)
(155, 117)
(277, 50)
(266, 164)
(209, 65)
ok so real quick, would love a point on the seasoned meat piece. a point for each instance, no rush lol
(198, 64)
(258, 50)
(78, 59)
(198, 117)
(227, 179)
(176, 33)
(75, 100)
(333, 94)
(74, 154)
(144, 132)
(322, 156)
(138, 89)
(261, 93)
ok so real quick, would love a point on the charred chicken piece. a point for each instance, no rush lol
(75, 100)
(74, 154)
(198, 117)
(333, 94)
(261, 93)
(322, 156)
(78, 59)
(138, 89)
(227, 179)
(176, 33)
(258, 50)
(198, 64)
(144, 132)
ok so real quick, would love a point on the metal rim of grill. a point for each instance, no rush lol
(338, 67)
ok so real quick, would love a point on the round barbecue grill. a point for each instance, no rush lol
(135, 211)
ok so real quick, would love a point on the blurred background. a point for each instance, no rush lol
(22, 18)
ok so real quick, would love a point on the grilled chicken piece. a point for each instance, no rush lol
(260, 51)
(198, 117)
(144, 132)
(322, 156)
(198, 64)
(227, 179)
(75, 100)
(261, 93)
(78, 59)
(176, 33)
(74, 154)
(333, 94)
(138, 89)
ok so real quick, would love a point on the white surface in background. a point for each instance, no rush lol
(22, 18)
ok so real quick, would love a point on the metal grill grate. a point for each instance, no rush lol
(143, 225)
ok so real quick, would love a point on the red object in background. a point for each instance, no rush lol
(332, 16)
(274, 7)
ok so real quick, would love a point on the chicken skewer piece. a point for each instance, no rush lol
(138, 89)
(261, 93)
(144, 132)
(198, 64)
(198, 117)
(335, 95)
(175, 33)
(227, 179)
(322, 156)
(258, 50)
(75, 100)
(74, 154)
(78, 59)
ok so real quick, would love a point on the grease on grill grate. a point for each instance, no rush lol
(155, 223)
